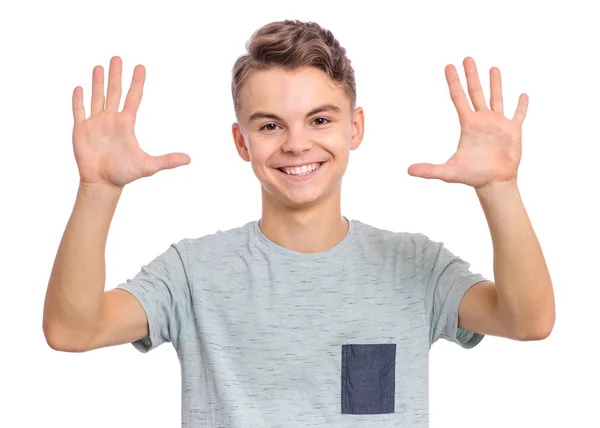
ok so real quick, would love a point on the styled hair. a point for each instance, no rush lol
(291, 44)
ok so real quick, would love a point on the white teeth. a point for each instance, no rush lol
(301, 170)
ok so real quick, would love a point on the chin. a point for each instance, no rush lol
(300, 199)
(299, 203)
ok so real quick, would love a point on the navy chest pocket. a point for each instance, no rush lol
(368, 379)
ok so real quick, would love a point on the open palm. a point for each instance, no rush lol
(105, 146)
(489, 148)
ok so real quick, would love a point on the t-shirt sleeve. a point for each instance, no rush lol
(162, 288)
(447, 278)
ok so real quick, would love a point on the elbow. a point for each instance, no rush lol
(533, 335)
(51, 337)
(535, 331)
(59, 341)
(55, 344)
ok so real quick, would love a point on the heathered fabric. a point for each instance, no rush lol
(268, 337)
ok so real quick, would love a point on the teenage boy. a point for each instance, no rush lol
(304, 317)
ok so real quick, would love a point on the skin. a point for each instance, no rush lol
(520, 304)
(304, 217)
(300, 216)
(78, 314)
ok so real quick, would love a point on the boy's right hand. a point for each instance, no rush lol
(105, 146)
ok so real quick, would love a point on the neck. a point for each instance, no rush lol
(308, 230)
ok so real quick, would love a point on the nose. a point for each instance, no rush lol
(297, 141)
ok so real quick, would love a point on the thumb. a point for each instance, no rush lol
(154, 164)
(431, 171)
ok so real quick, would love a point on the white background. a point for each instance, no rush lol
(548, 51)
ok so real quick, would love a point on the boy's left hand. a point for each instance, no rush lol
(489, 149)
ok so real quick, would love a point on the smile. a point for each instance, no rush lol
(300, 169)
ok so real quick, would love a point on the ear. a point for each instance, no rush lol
(358, 128)
(240, 142)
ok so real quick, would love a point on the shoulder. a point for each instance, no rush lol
(220, 242)
(382, 245)
(375, 237)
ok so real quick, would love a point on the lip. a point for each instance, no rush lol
(300, 164)
(302, 178)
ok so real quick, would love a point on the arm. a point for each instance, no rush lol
(78, 314)
(520, 305)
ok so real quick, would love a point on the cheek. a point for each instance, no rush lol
(259, 153)
(337, 143)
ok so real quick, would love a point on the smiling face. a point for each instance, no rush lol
(296, 128)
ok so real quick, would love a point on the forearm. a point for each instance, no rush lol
(74, 296)
(525, 294)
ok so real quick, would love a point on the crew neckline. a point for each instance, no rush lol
(339, 249)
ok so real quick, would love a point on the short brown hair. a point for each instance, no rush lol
(291, 44)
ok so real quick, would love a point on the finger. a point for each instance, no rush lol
(474, 85)
(496, 102)
(457, 94)
(78, 107)
(97, 89)
(134, 96)
(521, 110)
(113, 92)
(432, 171)
(154, 164)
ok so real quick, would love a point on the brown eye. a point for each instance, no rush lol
(268, 125)
(325, 121)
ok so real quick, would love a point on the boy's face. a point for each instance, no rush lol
(296, 128)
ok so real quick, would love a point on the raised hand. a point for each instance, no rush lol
(489, 148)
(105, 145)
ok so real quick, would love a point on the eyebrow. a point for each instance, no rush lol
(265, 115)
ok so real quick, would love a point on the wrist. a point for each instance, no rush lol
(98, 192)
(497, 187)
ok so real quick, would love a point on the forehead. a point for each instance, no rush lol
(290, 92)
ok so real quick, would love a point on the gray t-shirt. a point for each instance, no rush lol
(268, 337)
